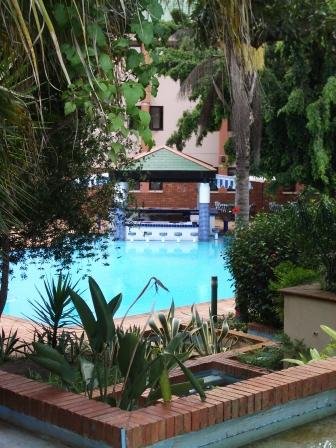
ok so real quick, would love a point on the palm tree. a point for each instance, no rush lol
(235, 83)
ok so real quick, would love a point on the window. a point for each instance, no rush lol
(156, 113)
(155, 186)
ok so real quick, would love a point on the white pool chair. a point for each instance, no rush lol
(163, 236)
(194, 236)
(178, 236)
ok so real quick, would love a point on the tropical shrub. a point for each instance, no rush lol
(314, 217)
(54, 309)
(288, 274)
(251, 258)
(313, 354)
(114, 355)
(272, 357)
(207, 337)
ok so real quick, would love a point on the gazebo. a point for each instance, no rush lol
(165, 164)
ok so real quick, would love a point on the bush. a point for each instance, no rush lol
(272, 357)
(252, 257)
(288, 274)
(314, 217)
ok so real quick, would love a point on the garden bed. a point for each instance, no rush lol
(96, 421)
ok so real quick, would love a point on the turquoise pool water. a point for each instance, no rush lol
(184, 268)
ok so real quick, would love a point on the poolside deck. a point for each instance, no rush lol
(25, 328)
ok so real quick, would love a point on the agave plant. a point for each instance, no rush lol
(8, 345)
(54, 311)
(207, 338)
(170, 327)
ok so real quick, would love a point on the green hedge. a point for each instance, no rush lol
(252, 257)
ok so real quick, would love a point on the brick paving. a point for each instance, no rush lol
(25, 328)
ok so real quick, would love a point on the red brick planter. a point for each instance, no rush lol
(98, 421)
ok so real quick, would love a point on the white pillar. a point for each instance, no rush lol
(120, 199)
(203, 211)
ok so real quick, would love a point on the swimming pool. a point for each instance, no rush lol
(184, 268)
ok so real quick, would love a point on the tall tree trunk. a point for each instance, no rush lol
(5, 246)
(241, 126)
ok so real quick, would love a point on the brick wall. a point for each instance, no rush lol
(184, 195)
(173, 195)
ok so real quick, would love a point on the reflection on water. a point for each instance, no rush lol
(321, 434)
(184, 268)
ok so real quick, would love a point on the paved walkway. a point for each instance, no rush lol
(14, 437)
(25, 328)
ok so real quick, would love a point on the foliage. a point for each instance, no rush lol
(113, 355)
(53, 310)
(251, 259)
(272, 357)
(235, 323)
(313, 354)
(101, 330)
(299, 96)
(81, 64)
(8, 345)
(169, 327)
(49, 358)
(314, 218)
(288, 274)
(207, 337)
(145, 369)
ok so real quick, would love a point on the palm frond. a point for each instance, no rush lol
(204, 70)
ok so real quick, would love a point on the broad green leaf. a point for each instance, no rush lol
(69, 107)
(105, 62)
(66, 373)
(191, 378)
(97, 34)
(85, 314)
(134, 59)
(114, 304)
(298, 362)
(121, 43)
(105, 323)
(146, 135)
(127, 345)
(116, 122)
(144, 31)
(144, 118)
(47, 351)
(155, 9)
(329, 331)
(132, 92)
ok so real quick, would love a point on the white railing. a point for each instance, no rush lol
(227, 182)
